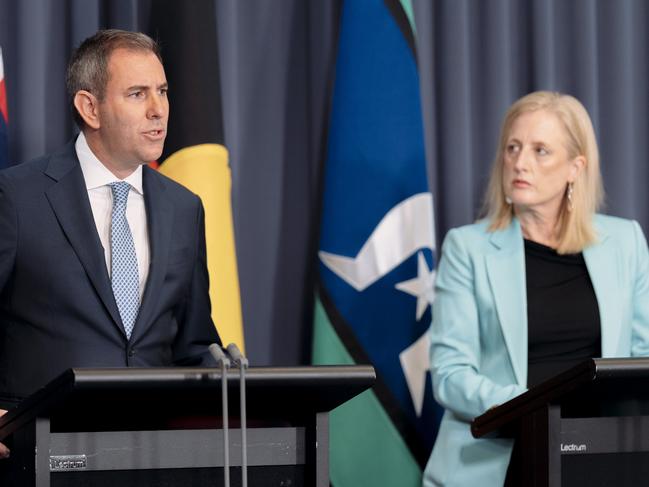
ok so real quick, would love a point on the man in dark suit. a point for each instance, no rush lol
(102, 259)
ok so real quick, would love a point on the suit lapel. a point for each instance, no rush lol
(506, 273)
(69, 201)
(160, 214)
(601, 259)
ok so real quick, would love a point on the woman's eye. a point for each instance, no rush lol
(542, 151)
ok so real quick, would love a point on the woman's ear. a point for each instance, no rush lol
(577, 165)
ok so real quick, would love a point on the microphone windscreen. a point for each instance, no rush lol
(236, 354)
(219, 355)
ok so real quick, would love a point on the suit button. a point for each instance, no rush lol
(131, 352)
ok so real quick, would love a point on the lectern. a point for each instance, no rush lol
(163, 427)
(587, 426)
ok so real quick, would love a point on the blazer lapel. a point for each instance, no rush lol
(601, 259)
(160, 214)
(506, 273)
(69, 201)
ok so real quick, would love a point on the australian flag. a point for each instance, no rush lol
(4, 118)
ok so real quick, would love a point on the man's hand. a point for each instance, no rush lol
(4, 451)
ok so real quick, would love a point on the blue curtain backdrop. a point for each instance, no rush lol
(277, 63)
(477, 57)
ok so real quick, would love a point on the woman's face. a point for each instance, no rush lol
(537, 168)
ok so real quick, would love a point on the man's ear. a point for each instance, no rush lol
(87, 106)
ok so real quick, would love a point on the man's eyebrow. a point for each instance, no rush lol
(146, 87)
(137, 88)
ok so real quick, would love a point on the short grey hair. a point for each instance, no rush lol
(88, 68)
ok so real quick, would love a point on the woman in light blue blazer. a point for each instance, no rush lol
(542, 283)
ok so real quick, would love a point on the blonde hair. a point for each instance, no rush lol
(575, 226)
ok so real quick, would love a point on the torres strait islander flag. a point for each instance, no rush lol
(377, 246)
(194, 154)
(4, 118)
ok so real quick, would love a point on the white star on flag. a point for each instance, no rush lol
(415, 364)
(422, 286)
(414, 359)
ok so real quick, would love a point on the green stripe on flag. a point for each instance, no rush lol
(362, 426)
(410, 13)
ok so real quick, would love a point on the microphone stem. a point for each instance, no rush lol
(244, 433)
(226, 439)
(219, 355)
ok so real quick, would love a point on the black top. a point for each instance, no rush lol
(562, 312)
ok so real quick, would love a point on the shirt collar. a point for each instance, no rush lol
(96, 174)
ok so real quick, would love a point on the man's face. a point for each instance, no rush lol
(134, 112)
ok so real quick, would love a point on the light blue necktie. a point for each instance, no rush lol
(124, 274)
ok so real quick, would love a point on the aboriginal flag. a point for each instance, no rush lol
(194, 153)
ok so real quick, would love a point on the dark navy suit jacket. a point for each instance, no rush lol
(57, 308)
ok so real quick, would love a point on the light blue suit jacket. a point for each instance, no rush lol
(479, 333)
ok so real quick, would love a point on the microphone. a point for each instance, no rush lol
(236, 355)
(221, 358)
(242, 362)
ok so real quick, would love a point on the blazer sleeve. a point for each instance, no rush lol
(196, 330)
(8, 235)
(640, 323)
(455, 353)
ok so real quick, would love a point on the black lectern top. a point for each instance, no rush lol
(596, 387)
(159, 398)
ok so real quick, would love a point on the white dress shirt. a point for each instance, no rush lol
(97, 178)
